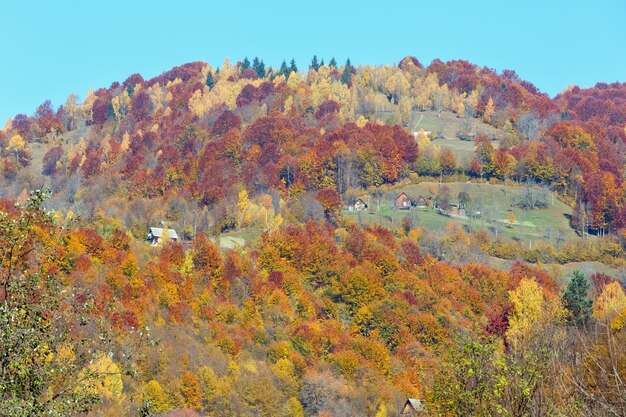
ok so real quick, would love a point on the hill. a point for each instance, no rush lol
(278, 300)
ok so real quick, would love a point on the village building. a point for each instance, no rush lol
(421, 202)
(403, 202)
(359, 205)
(412, 407)
(155, 235)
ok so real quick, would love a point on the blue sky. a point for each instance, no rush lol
(52, 48)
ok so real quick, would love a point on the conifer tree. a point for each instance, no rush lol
(245, 64)
(576, 299)
(314, 64)
(283, 69)
(292, 66)
(259, 67)
(322, 62)
(210, 81)
(346, 76)
(332, 63)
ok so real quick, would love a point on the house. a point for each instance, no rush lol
(403, 202)
(156, 233)
(412, 407)
(426, 132)
(421, 202)
(359, 205)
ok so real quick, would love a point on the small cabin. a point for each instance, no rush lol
(403, 202)
(359, 205)
(155, 234)
(412, 407)
(421, 202)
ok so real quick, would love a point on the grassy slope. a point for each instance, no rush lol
(494, 200)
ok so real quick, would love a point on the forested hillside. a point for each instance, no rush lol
(280, 296)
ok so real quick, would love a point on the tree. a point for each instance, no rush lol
(190, 390)
(259, 67)
(464, 199)
(331, 201)
(489, 110)
(332, 63)
(442, 199)
(283, 69)
(346, 76)
(16, 145)
(576, 300)
(314, 64)
(245, 64)
(467, 384)
(210, 80)
(292, 66)
(43, 369)
(447, 161)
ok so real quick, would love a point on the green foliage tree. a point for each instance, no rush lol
(346, 76)
(576, 300)
(245, 64)
(284, 70)
(332, 63)
(314, 63)
(210, 80)
(43, 370)
(259, 67)
(292, 66)
(467, 384)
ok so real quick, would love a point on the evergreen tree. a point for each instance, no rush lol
(245, 64)
(322, 63)
(259, 67)
(292, 66)
(332, 63)
(210, 81)
(576, 299)
(314, 64)
(283, 69)
(346, 76)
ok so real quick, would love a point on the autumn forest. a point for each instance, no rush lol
(318, 239)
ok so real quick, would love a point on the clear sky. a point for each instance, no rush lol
(52, 48)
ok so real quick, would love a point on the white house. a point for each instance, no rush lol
(155, 234)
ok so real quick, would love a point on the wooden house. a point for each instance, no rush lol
(155, 235)
(421, 202)
(359, 205)
(412, 407)
(403, 202)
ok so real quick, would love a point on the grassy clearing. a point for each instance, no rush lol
(448, 124)
(238, 238)
(494, 202)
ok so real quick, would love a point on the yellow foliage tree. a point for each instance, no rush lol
(110, 384)
(157, 399)
(293, 80)
(532, 310)
(16, 144)
(294, 408)
(121, 106)
(490, 108)
(610, 307)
